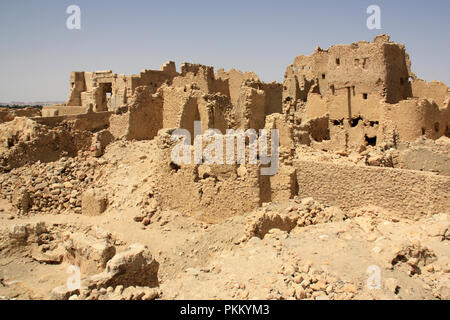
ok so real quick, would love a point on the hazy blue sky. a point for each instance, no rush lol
(38, 52)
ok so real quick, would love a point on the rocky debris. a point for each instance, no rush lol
(90, 252)
(48, 187)
(288, 215)
(99, 142)
(48, 254)
(63, 293)
(260, 226)
(26, 233)
(58, 168)
(305, 282)
(93, 202)
(89, 248)
(391, 285)
(149, 206)
(412, 255)
(379, 157)
(133, 267)
(129, 293)
(109, 293)
(41, 241)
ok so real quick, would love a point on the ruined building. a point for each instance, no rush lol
(365, 93)
(343, 97)
(348, 98)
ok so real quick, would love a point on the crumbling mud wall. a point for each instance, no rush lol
(412, 192)
(53, 111)
(25, 141)
(434, 90)
(92, 122)
(107, 91)
(426, 155)
(143, 118)
(8, 114)
(216, 112)
(208, 192)
(235, 79)
(202, 78)
(414, 118)
(250, 109)
(363, 89)
(214, 192)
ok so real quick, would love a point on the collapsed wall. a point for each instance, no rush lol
(24, 141)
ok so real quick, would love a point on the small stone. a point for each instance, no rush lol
(146, 221)
(298, 279)
(63, 293)
(377, 249)
(348, 237)
(300, 293)
(350, 288)
(151, 295)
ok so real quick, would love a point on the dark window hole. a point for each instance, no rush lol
(354, 122)
(338, 122)
(371, 141)
(174, 166)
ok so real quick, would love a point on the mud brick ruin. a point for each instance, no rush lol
(345, 99)
(357, 129)
(352, 94)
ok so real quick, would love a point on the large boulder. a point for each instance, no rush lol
(133, 267)
(88, 252)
